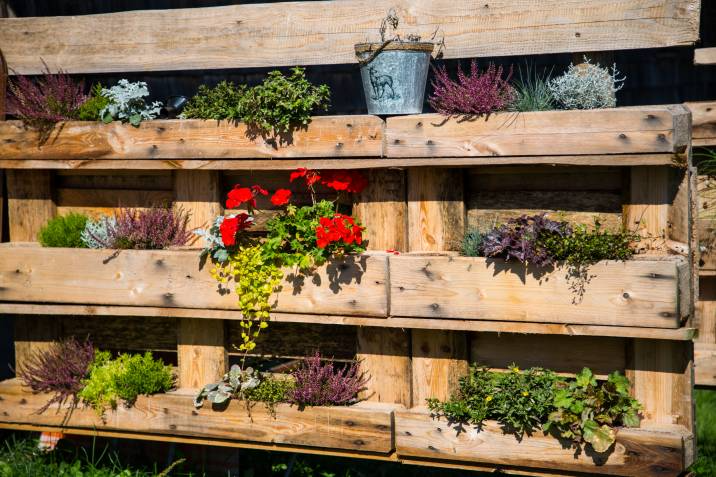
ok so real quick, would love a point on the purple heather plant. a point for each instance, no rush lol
(58, 370)
(319, 383)
(146, 229)
(521, 239)
(46, 101)
(471, 95)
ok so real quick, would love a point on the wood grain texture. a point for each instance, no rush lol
(703, 115)
(353, 286)
(327, 136)
(631, 293)
(705, 56)
(305, 33)
(356, 428)
(637, 452)
(647, 211)
(382, 209)
(30, 203)
(661, 375)
(605, 131)
(201, 352)
(494, 326)
(344, 163)
(705, 364)
(440, 359)
(706, 310)
(565, 355)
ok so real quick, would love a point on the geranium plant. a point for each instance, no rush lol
(298, 236)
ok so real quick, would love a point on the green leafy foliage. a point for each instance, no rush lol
(584, 246)
(282, 103)
(519, 400)
(124, 378)
(64, 231)
(90, 109)
(220, 102)
(532, 92)
(588, 410)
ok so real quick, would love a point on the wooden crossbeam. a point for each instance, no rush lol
(306, 33)
(705, 56)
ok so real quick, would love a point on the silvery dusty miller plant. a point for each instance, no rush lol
(587, 86)
(127, 103)
(96, 232)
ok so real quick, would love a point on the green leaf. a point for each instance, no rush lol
(563, 398)
(601, 438)
(631, 419)
(135, 120)
(585, 378)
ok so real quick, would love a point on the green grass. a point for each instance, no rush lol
(705, 465)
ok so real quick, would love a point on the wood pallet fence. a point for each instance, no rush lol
(428, 184)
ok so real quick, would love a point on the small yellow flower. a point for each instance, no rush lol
(515, 369)
(525, 393)
(488, 399)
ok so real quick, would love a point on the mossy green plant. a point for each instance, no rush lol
(220, 102)
(64, 231)
(90, 109)
(124, 379)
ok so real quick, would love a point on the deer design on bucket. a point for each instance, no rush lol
(380, 83)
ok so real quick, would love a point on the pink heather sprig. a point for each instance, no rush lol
(58, 370)
(471, 95)
(47, 100)
(319, 383)
(155, 228)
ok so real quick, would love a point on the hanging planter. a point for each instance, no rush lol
(394, 75)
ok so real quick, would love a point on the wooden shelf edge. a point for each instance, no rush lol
(705, 56)
(370, 428)
(705, 364)
(675, 334)
(643, 451)
(615, 160)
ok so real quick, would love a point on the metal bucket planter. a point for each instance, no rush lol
(394, 78)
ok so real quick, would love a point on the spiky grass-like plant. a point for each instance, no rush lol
(532, 91)
(474, 94)
(320, 383)
(58, 370)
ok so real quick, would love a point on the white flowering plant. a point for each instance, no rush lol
(587, 86)
(127, 103)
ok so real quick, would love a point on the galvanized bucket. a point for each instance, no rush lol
(394, 78)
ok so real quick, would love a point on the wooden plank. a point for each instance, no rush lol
(705, 56)
(201, 352)
(704, 122)
(298, 33)
(639, 452)
(630, 293)
(436, 221)
(603, 131)
(126, 333)
(706, 310)
(566, 355)
(705, 364)
(30, 203)
(384, 353)
(105, 201)
(351, 286)
(647, 211)
(661, 374)
(494, 326)
(343, 163)
(359, 428)
(198, 194)
(327, 136)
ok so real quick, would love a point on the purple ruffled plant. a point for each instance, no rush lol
(319, 383)
(47, 100)
(59, 370)
(155, 228)
(479, 93)
(519, 239)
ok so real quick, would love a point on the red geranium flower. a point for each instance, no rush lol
(310, 176)
(281, 197)
(339, 228)
(349, 181)
(231, 226)
(239, 195)
(257, 189)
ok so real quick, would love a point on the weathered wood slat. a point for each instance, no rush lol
(705, 56)
(610, 131)
(324, 33)
(642, 452)
(344, 163)
(326, 136)
(705, 364)
(358, 428)
(631, 293)
(173, 278)
(493, 326)
(703, 115)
